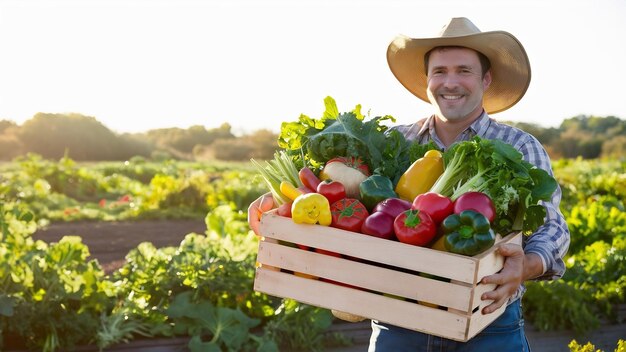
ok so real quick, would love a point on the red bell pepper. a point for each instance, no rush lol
(435, 204)
(332, 190)
(415, 227)
(348, 214)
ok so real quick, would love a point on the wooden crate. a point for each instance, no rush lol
(380, 279)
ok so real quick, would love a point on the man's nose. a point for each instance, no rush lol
(451, 80)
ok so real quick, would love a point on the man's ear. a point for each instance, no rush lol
(487, 80)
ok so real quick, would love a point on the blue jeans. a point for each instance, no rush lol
(505, 334)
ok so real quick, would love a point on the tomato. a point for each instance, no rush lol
(415, 227)
(476, 201)
(348, 214)
(435, 204)
(332, 190)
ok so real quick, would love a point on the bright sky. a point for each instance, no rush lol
(138, 65)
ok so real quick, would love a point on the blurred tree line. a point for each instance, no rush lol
(83, 138)
(583, 136)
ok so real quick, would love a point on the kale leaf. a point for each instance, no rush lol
(315, 141)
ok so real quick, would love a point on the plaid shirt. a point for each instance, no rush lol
(551, 240)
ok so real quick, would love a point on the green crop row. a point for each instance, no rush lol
(135, 189)
(594, 285)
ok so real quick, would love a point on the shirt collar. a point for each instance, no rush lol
(477, 128)
(481, 125)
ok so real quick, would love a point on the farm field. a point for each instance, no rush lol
(116, 209)
(109, 242)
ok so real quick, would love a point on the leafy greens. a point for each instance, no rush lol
(498, 170)
(315, 141)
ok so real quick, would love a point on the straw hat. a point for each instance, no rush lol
(510, 68)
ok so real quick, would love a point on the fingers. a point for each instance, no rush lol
(507, 280)
(510, 250)
(502, 290)
(256, 209)
(494, 306)
(267, 203)
(499, 296)
(493, 279)
(254, 216)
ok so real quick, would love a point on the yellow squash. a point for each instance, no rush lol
(420, 176)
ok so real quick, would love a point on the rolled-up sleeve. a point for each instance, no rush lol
(551, 240)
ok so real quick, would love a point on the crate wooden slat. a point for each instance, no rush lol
(361, 275)
(367, 247)
(376, 278)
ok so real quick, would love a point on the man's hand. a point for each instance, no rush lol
(509, 278)
(259, 206)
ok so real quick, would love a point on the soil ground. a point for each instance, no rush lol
(109, 242)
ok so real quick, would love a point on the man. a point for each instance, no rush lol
(466, 74)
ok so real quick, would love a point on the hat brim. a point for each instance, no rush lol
(510, 67)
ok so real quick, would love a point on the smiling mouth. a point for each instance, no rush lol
(451, 97)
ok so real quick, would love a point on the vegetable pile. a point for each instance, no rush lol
(358, 175)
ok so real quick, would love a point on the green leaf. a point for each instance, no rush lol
(229, 327)
(534, 218)
(347, 135)
(197, 345)
(544, 184)
(314, 142)
(182, 306)
(331, 111)
(291, 133)
(264, 344)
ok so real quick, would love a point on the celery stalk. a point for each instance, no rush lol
(279, 169)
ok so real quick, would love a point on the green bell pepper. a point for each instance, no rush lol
(468, 233)
(375, 189)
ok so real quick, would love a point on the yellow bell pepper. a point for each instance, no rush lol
(439, 244)
(311, 208)
(420, 176)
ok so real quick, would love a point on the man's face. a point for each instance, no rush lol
(455, 83)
